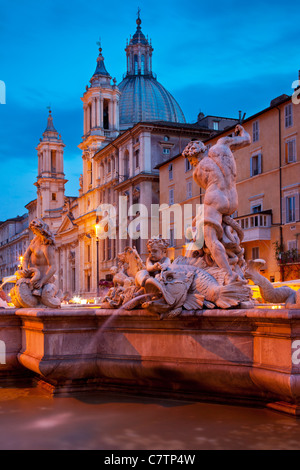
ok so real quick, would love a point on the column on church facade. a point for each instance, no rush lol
(81, 265)
(98, 111)
(101, 111)
(111, 115)
(131, 162)
(93, 112)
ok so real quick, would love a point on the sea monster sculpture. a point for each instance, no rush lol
(280, 295)
(35, 280)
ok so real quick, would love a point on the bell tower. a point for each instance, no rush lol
(51, 178)
(100, 109)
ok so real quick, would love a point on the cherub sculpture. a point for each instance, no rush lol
(35, 280)
(156, 261)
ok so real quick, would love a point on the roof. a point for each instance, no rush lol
(143, 98)
(282, 99)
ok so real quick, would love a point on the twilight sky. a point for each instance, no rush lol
(216, 57)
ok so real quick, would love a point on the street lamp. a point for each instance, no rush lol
(97, 229)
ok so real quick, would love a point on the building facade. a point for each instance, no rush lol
(268, 185)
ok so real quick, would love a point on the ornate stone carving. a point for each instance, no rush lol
(35, 281)
(215, 235)
(280, 295)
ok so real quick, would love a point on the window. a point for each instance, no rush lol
(166, 138)
(256, 209)
(188, 165)
(166, 151)
(109, 166)
(105, 114)
(53, 161)
(53, 196)
(142, 64)
(137, 158)
(255, 165)
(215, 125)
(288, 115)
(292, 245)
(255, 252)
(255, 131)
(290, 209)
(171, 197)
(189, 189)
(170, 171)
(135, 64)
(290, 151)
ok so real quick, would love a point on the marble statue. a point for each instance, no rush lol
(35, 280)
(280, 295)
(215, 171)
(156, 261)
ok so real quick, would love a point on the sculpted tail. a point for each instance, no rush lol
(232, 295)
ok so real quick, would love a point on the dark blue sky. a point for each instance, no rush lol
(216, 57)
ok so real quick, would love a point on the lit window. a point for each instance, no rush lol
(290, 151)
(255, 131)
(170, 171)
(290, 209)
(256, 165)
(288, 115)
(171, 197)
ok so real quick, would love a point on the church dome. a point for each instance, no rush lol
(143, 98)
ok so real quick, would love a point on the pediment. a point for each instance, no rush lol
(67, 224)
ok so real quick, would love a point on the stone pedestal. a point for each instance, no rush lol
(232, 356)
(10, 346)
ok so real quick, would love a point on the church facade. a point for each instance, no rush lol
(128, 129)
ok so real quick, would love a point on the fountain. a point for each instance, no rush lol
(188, 329)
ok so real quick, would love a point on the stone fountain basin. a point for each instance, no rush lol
(243, 356)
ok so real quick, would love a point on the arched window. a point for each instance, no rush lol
(136, 65)
(126, 165)
(105, 114)
(143, 64)
(53, 161)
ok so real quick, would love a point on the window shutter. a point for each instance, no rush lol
(259, 164)
(251, 167)
(297, 214)
(284, 203)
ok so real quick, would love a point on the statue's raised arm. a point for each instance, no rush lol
(239, 140)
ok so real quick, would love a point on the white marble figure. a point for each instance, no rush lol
(215, 171)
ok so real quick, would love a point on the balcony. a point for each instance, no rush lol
(256, 226)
